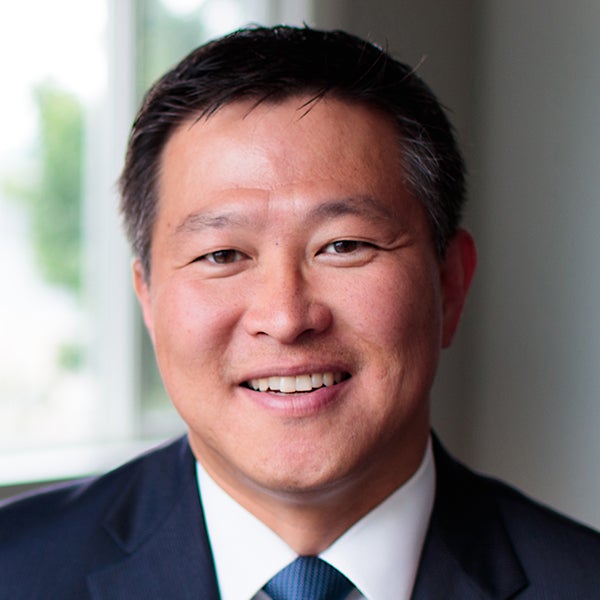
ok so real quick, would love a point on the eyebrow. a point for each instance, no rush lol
(211, 220)
(365, 206)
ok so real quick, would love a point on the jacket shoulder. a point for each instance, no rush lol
(62, 529)
(551, 545)
(508, 541)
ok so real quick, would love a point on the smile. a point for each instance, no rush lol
(299, 383)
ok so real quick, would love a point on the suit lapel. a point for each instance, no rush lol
(159, 526)
(467, 553)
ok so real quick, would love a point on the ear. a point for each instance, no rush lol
(457, 269)
(142, 291)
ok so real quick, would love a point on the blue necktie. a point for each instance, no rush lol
(308, 578)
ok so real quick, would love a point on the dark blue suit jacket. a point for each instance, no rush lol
(138, 533)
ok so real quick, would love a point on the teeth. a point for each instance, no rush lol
(287, 385)
(303, 383)
(316, 380)
(291, 384)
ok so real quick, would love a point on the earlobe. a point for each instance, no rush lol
(142, 291)
(457, 272)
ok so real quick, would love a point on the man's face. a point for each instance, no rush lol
(295, 300)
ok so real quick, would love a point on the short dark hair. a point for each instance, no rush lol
(273, 64)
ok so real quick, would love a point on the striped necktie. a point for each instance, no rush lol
(308, 578)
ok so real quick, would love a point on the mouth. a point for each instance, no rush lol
(294, 384)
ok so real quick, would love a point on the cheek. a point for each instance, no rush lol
(396, 310)
(401, 333)
(192, 326)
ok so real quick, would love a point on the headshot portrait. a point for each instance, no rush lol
(304, 238)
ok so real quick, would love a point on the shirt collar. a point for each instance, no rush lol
(247, 553)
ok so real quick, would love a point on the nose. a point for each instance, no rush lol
(284, 306)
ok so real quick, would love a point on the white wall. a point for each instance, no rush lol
(536, 333)
(519, 395)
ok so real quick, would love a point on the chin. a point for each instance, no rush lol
(295, 480)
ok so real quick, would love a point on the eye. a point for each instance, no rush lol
(348, 253)
(344, 246)
(222, 257)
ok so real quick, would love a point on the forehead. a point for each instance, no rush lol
(285, 139)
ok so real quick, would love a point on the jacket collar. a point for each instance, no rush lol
(467, 553)
(158, 524)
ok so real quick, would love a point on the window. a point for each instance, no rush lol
(56, 73)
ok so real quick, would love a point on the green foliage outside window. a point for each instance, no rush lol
(53, 197)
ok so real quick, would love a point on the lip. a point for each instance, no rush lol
(299, 404)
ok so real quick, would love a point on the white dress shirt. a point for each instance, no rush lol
(379, 554)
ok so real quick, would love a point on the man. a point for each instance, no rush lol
(293, 199)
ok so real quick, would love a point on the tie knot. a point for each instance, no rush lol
(308, 578)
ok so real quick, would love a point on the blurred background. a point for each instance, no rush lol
(518, 394)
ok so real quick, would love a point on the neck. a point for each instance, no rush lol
(309, 521)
